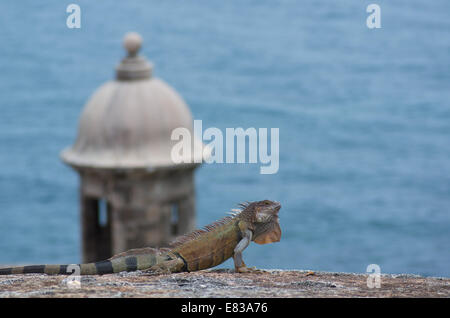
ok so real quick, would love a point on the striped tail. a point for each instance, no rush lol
(136, 259)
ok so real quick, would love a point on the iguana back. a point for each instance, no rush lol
(211, 246)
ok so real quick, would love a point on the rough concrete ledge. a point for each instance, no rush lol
(223, 283)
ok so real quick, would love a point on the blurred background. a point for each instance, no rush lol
(364, 119)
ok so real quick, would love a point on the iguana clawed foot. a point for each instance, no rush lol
(245, 269)
(157, 270)
(170, 266)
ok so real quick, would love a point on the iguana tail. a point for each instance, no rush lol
(132, 260)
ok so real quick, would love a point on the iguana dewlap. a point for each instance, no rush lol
(201, 249)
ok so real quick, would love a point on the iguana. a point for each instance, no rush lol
(201, 249)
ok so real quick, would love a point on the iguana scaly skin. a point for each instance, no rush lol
(201, 249)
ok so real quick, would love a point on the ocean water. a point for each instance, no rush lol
(363, 115)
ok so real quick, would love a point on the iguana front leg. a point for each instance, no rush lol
(239, 264)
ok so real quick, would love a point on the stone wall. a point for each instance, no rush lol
(223, 283)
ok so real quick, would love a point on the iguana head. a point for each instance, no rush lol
(264, 217)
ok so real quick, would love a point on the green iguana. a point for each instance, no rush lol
(201, 249)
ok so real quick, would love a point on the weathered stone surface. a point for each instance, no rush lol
(223, 283)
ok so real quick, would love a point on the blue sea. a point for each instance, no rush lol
(363, 116)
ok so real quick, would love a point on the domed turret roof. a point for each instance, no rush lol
(128, 122)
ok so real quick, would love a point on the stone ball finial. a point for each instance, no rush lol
(132, 43)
